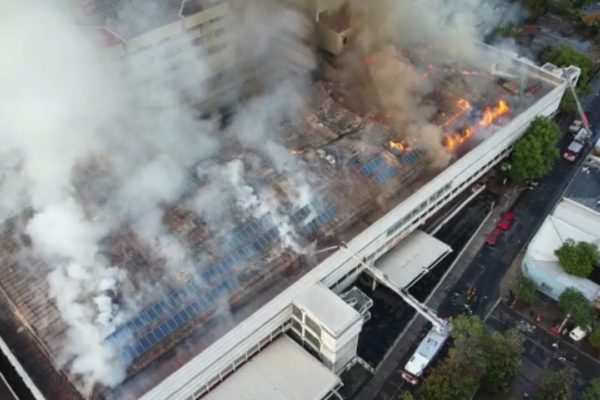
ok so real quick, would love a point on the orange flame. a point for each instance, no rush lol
(451, 140)
(399, 145)
(463, 105)
(492, 113)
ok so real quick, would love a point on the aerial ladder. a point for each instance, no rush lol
(432, 343)
(580, 112)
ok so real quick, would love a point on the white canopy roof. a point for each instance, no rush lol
(413, 257)
(282, 371)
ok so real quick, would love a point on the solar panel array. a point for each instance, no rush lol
(325, 217)
(176, 298)
(411, 157)
(175, 321)
(192, 299)
(378, 170)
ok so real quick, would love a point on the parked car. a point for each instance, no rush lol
(532, 184)
(573, 151)
(575, 126)
(579, 333)
(492, 238)
(506, 220)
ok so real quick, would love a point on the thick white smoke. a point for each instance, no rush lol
(62, 104)
(64, 108)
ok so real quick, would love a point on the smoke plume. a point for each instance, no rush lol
(454, 27)
(92, 145)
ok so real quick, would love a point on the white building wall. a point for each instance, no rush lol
(371, 243)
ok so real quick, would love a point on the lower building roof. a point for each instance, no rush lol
(282, 371)
(412, 258)
(327, 308)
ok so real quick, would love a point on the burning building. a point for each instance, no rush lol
(342, 170)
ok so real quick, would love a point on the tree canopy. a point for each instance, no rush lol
(527, 290)
(535, 153)
(564, 55)
(405, 396)
(577, 258)
(478, 358)
(594, 338)
(593, 390)
(575, 304)
(556, 386)
(450, 380)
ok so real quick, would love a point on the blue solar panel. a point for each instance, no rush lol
(138, 347)
(145, 342)
(177, 298)
(172, 324)
(165, 328)
(177, 319)
(158, 333)
(371, 165)
(151, 313)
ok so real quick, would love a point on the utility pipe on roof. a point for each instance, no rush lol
(181, 6)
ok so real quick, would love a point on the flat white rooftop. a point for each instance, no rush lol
(282, 371)
(413, 257)
(327, 308)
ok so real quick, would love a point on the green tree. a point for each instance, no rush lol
(406, 396)
(576, 306)
(478, 358)
(527, 290)
(469, 335)
(502, 358)
(450, 380)
(562, 56)
(593, 390)
(594, 338)
(577, 258)
(535, 153)
(555, 386)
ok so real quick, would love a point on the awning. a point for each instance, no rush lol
(411, 258)
(282, 371)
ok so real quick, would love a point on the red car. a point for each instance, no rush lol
(492, 238)
(507, 220)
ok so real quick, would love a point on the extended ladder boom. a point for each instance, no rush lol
(580, 111)
(440, 324)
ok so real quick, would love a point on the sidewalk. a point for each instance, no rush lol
(511, 279)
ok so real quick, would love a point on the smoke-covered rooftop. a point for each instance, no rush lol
(138, 230)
